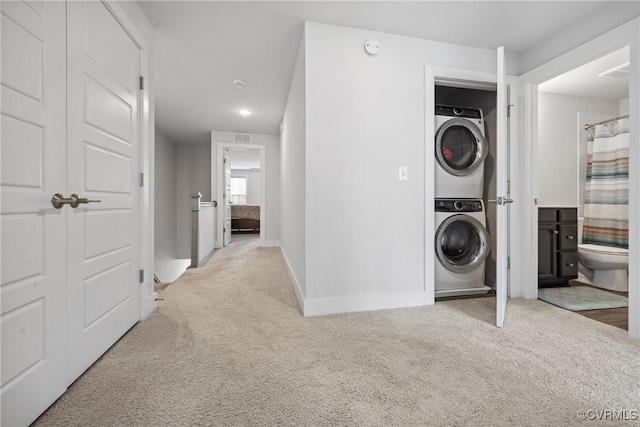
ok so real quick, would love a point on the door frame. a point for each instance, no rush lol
(432, 74)
(625, 35)
(146, 97)
(220, 147)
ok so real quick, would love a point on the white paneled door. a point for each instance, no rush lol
(70, 125)
(103, 155)
(34, 344)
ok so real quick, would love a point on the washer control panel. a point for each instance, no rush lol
(469, 113)
(459, 205)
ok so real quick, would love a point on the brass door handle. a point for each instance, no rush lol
(58, 200)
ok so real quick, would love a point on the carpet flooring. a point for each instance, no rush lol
(578, 298)
(228, 347)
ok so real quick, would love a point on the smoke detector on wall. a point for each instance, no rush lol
(372, 47)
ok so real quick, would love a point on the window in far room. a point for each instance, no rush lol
(238, 191)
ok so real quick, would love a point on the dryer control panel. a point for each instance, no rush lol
(459, 205)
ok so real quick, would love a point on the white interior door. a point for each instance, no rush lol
(503, 198)
(227, 197)
(34, 372)
(103, 155)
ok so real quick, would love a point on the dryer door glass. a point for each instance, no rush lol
(458, 147)
(462, 243)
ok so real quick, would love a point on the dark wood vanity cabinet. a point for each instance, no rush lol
(557, 246)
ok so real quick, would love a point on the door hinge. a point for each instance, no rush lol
(224, 195)
(224, 160)
(141, 276)
(141, 83)
(141, 179)
(508, 187)
(508, 262)
(224, 229)
(509, 109)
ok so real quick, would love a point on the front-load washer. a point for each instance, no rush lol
(462, 244)
(461, 148)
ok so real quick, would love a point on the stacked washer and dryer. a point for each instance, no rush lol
(462, 242)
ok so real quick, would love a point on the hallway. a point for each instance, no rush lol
(228, 346)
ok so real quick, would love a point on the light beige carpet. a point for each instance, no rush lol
(228, 346)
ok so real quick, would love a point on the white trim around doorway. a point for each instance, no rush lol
(220, 147)
(625, 35)
(148, 296)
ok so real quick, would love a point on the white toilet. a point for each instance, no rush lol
(609, 264)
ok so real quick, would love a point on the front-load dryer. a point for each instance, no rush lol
(460, 151)
(462, 244)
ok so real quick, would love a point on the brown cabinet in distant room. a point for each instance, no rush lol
(557, 246)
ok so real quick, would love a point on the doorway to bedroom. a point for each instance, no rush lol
(243, 183)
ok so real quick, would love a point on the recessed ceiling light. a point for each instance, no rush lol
(244, 111)
(239, 83)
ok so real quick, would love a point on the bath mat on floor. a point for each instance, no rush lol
(578, 298)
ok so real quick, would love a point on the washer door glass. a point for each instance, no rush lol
(462, 243)
(460, 147)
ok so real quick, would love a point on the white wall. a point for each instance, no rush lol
(292, 175)
(271, 203)
(206, 231)
(193, 175)
(624, 106)
(253, 183)
(365, 118)
(578, 32)
(165, 208)
(558, 135)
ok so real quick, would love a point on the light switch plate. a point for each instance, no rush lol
(403, 173)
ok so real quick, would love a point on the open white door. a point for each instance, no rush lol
(503, 199)
(227, 198)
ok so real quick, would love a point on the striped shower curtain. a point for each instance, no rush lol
(606, 210)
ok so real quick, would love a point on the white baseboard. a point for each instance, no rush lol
(351, 303)
(294, 281)
(356, 303)
(271, 244)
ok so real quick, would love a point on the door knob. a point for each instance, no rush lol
(500, 201)
(81, 200)
(58, 201)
